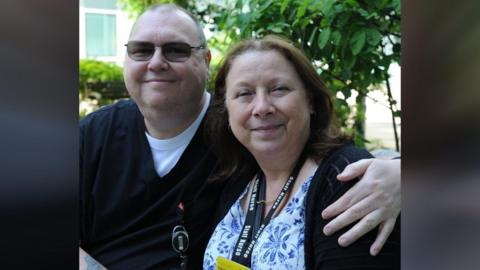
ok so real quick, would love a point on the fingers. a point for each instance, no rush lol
(352, 196)
(353, 214)
(383, 233)
(355, 169)
(365, 225)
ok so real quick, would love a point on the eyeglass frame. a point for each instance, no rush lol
(201, 47)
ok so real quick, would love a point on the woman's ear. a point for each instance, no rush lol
(311, 108)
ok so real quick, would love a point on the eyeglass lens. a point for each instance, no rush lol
(174, 51)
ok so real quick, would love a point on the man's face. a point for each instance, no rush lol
(157, 84)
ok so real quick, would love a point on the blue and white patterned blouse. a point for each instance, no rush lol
(280, 246)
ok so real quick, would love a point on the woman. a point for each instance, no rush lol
(280, 150)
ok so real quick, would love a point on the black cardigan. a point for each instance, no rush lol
(323, 252)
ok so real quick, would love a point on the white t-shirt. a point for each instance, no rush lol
(166, 153)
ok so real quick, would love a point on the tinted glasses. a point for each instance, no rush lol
(172, 51)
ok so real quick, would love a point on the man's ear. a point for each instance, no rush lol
(208, 57)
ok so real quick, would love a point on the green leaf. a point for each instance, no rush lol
(302, 9)
(397, 7)
(275, 29)
(265, 5)
(351, 3)
(312, 36)
(243, 20)
(346, 74)
(323, 38)
(362, 12)
(342, 19)
(336, 37)
(372, 15)
(357, 41)
(349, 61)
(326, 6)
(338, 8)
(373, 36)
(327, 20)
(239, 4)
(284, 5)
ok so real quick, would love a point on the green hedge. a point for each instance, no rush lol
(92, 71)
(100, 84)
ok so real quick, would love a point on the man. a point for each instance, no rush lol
(144, 162)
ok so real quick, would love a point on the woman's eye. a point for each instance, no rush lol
(244, 94)
(280, 89)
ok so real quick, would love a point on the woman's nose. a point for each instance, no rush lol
(263, 106)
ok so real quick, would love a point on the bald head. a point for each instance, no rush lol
(171, 9)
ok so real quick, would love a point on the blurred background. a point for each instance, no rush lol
(355, 46)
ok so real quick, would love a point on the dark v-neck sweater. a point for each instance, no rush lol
(127, 212)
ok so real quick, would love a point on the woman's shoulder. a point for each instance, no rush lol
(325, 177)
(337, 159)
(349, 153)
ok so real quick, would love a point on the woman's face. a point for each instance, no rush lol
(267, 104)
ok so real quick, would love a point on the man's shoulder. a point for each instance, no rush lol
(105, 114)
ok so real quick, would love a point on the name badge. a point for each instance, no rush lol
(226, 264)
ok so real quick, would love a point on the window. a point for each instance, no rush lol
(100, 34)
(105, 4)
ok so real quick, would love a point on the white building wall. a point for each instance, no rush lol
(378, 123)
(123, 25)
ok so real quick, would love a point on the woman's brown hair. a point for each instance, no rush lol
(232, 156)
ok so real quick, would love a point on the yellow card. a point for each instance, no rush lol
(226, 264)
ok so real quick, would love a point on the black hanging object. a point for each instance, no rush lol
(180, 243)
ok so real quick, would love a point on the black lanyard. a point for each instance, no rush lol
(254, 226)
